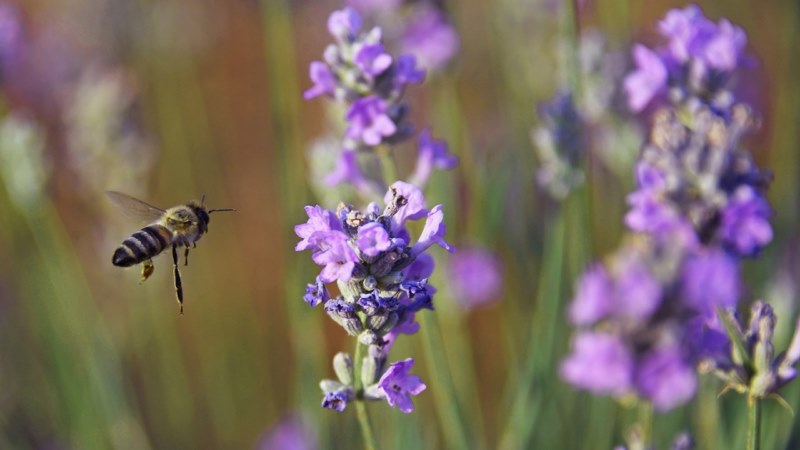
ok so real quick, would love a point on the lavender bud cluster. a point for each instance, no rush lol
(559, 146)
(750, 365)
(383, 282)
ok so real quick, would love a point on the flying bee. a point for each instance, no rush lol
(179, 226)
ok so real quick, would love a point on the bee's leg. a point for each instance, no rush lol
(147, 270)
(177, 274)
(186, 256)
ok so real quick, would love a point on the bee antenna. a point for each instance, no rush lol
(203, 199)
(220, 210)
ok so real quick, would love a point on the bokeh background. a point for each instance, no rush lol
(168, 99)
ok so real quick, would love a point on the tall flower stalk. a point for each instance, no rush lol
(381, 276)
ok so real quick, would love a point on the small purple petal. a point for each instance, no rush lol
(710, 279)
(368, 120)
(476, 277)
(398, 385)
(344, 24)
(433, 232)
(647, 80)
(324, 81)
(593, 298)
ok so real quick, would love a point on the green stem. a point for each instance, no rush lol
(361, 404)
(754, 424)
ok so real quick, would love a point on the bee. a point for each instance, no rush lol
(179, 226)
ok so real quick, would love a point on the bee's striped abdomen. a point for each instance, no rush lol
(142, 245)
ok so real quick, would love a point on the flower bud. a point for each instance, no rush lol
(343, 366)
(368, 337)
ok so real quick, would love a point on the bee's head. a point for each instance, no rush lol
(203, 214)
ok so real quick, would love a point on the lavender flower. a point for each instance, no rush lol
(476, 277)
(358, 72)
(698, 61)
(383, 280)
(644, 320)
(397, 385)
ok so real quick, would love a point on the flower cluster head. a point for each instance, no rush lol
(559, 146)
(747, 362)
(699, 60)
(694, 176)
(383, 280)
(647, 317)
(358, 72)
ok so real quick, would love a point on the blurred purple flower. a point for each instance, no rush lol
(375, 6)
(710, 279)
(10, 35)
(406, 71)
(600, 363)
(637, 292)
(373, 60)
(347, 170)
(687, 30)
(431, 38)
(323, 79)
(397, 385)
(649, 78)
(368, 121)
(344, 24)
(290, 433)
(431, 153)
(593, 298)
(745, 221)
(373, 239)
(476, 277)
(666, 378)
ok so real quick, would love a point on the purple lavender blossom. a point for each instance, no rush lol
(319, 220)
(397, 385)
(10, 35)
(649, 78)
(638, 293)
(373, 60)
(290, 433)
(433, 232)
(337, 257)
(710, 279)
(431, 153)
(336, 400)
(666, 378)
(347, 170)
(594, 297)
(745, 221)
(600, 363)
(414, 207)
(368, 121)
(316, 293)
(373, 239)
(476, 277)
(431, 38)
(324, 81)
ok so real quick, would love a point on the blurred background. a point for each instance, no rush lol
(166, 100)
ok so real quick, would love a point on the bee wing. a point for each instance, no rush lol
(134, 208)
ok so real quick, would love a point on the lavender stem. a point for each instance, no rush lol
(754, 423)
(361, 405)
